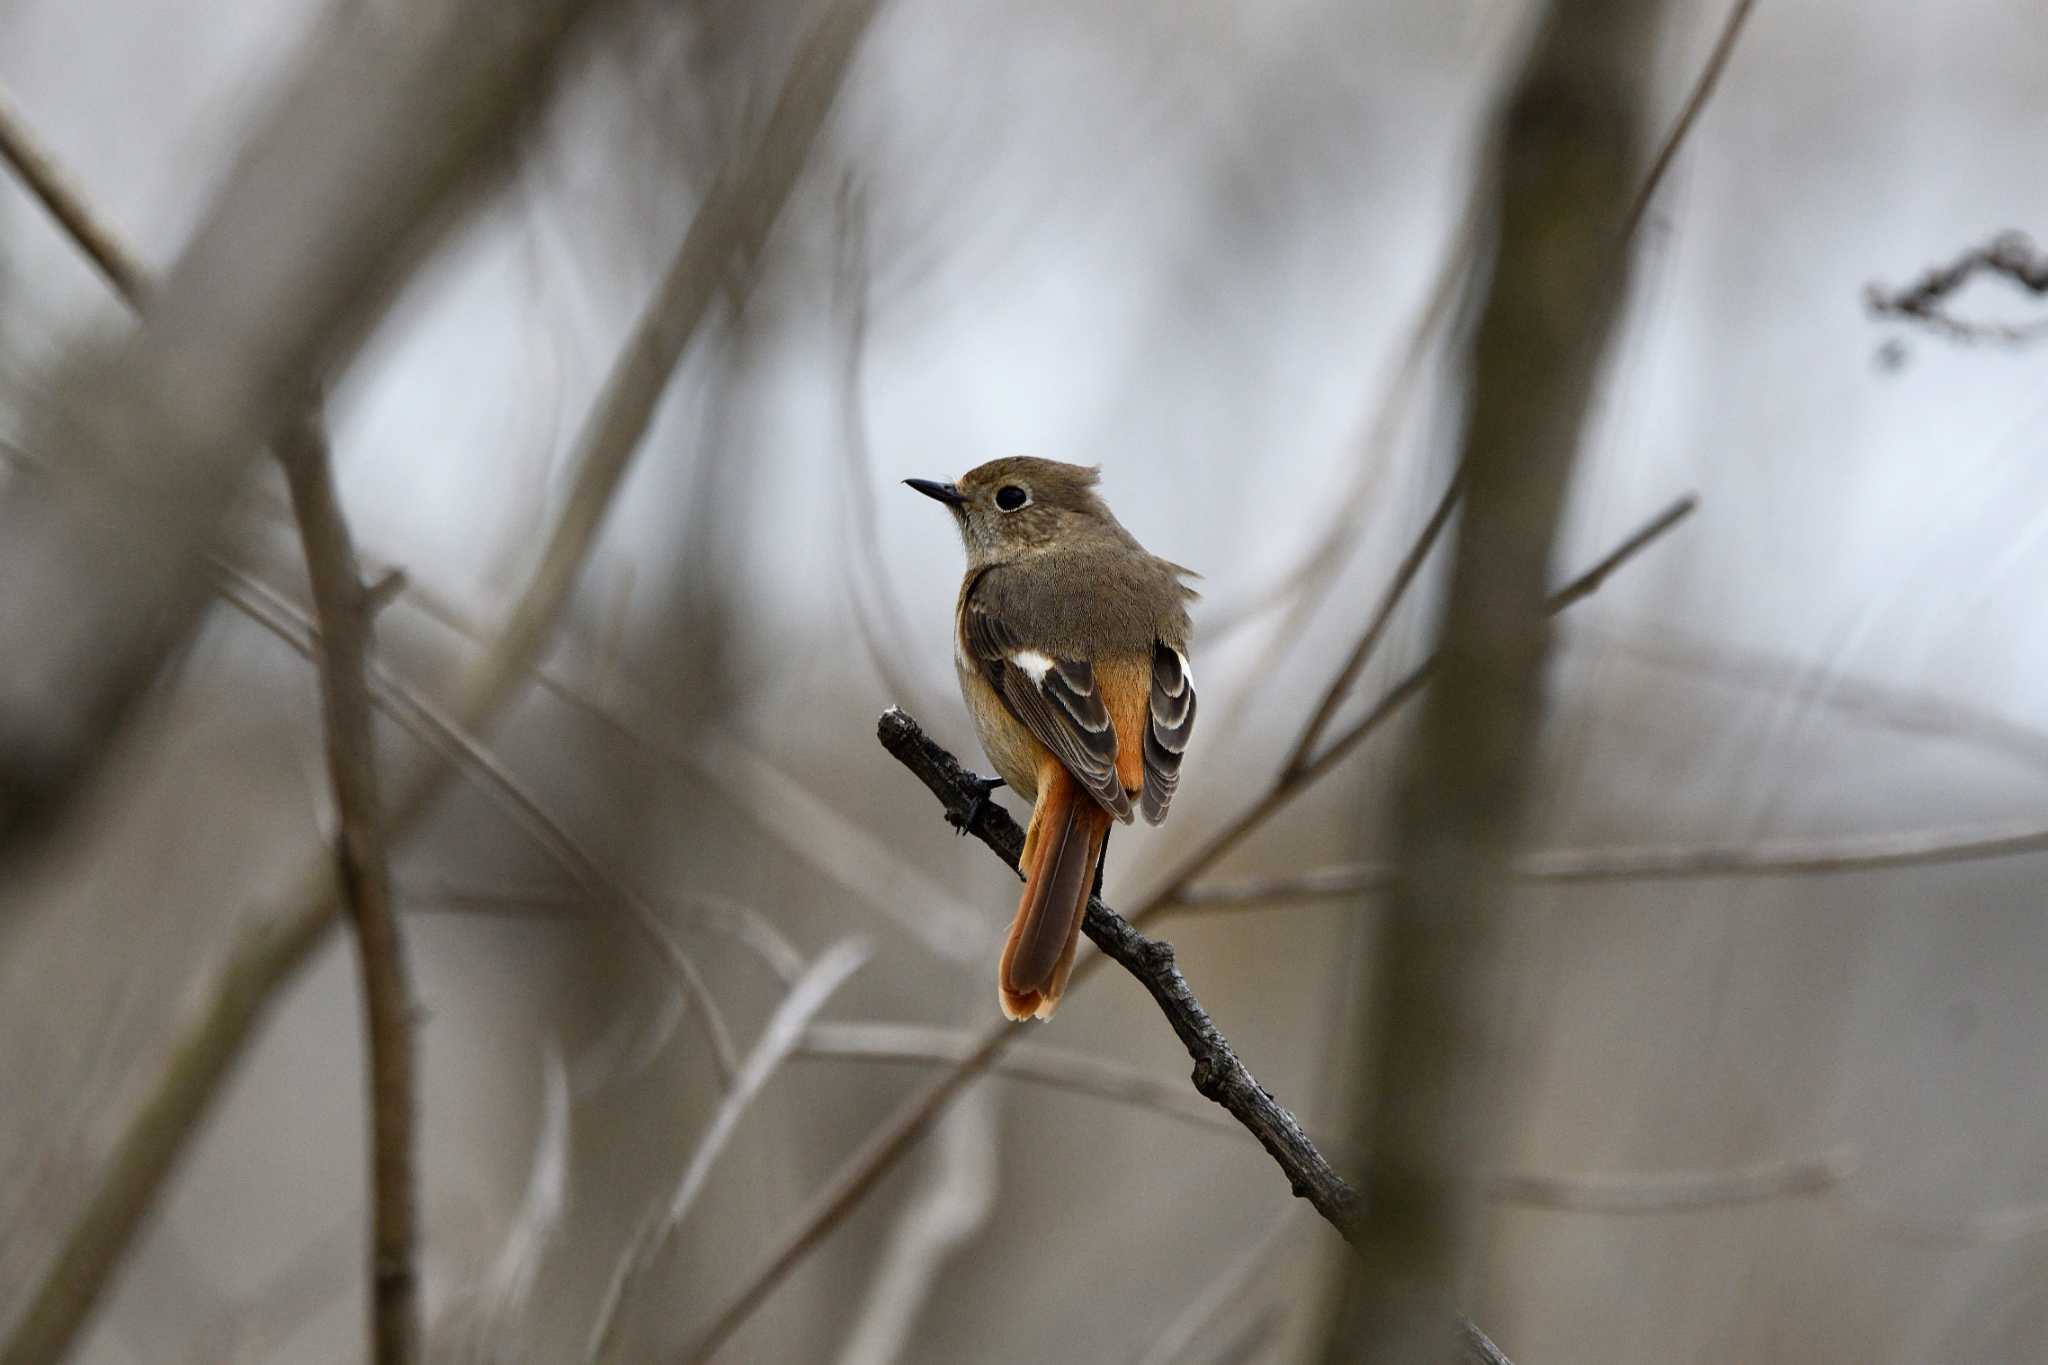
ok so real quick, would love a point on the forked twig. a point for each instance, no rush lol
(363, 871)
(441, 734)
(2010, 254)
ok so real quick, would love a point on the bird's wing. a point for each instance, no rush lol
(1171, 721)
(1055, 698)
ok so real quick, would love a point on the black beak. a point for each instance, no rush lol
(944, 492)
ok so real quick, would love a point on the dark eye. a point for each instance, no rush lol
(1010, 497)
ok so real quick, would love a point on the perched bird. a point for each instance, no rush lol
(1071, 643)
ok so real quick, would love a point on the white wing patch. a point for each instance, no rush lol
(1034, 665)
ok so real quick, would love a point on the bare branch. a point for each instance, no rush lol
(1435, 312)
(493, 1326)
(864, 575)
(1772, 858)
(1219, 1075)
(464, 752)
(1397, 588)
(2010, 254)
(729, 230)
(1703, 88)
(1290, 784)
(1077, 1073)
(1904, 710)
(745, 924)
(47, 182)
(1171, 1346)
(1389, 415)
(779, 1038)
(1663, 1192)
(955, 1205)
(363, 870)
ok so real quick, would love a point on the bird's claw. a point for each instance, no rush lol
(983, 786)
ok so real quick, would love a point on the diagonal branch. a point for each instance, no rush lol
(779, 1038)
(1383, 615)
(442, 736)
(363, 869)
(1219, 1074)
(49, 184)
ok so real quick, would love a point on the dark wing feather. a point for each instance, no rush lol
(1061, 708)
(1172, 721)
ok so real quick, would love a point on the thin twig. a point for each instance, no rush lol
(1390, 414)
(363, 871)
(48, 182)
(1191, 1325)
(1578, 866)
(1437, 310)
(1078, 1073)
(743, 923)
(728, 233)
(432, 727)
(1904, 710)
(858, 1174)
(778, 1038)
(1433, 316)
(493, 1328)
(1662, 1192)
(865, 575)
(1703, 87)
(1289, 784)
(1397, 587)
(931, 1229)
(2010, 254)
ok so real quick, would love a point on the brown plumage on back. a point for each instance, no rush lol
(1071, 645)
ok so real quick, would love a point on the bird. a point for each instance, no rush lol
(1071, 643)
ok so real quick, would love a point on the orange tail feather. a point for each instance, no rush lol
(1062, 848)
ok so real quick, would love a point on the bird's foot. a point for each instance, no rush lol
(983, 786)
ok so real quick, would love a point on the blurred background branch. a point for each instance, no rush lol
(2010, 256)
(147, 439)
(730, 229)
(1436, 1030)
